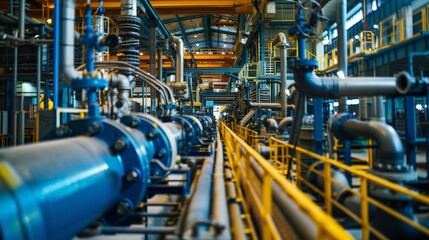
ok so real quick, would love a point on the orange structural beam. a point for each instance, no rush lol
(202, 7)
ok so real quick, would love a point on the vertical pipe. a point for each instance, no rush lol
(39, 75)
(57, 40)
(21, 122)
(152, 65)
(190, 92)
(342, 47)
(179, 58)
(22, 19)
(160, 64)
(283, 85)
(13, 100)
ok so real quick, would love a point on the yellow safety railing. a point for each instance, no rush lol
(280, 152)
(251, 137)
(243, 156)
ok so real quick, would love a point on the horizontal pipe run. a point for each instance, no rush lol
(333, 87)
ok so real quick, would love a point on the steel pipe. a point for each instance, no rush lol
(281, 42)
(284, 124)
(179, 58)
(342, 47)
(333, 87)
(220, 211)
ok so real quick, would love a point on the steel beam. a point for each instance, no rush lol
(208, 31)
(206, 70)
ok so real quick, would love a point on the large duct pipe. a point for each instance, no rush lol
(179, 58)
(334, 87)
(281, 42)
(42, 180)
(388, 140)
(342, 47)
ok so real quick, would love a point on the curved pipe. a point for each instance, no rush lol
(281, 42)
(284, 124)
(246, 118)
(271, 125)
(67, 67)
(122, 84)
(179, 58)
(388, 140)
(333, 87)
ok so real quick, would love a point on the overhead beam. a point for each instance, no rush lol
(185, 40)
(174, 7)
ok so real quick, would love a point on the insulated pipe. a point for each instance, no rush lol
(179, 58)
(264, 105)
(281, 42)
(388, 140)
(342, 47)
(220, 210)
(39, 181)
(22, 19)
(271, 125)
(246, 118)
(334, 87)
(128, 8)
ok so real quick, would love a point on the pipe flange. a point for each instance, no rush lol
(160, 137)
(135, 152)
(337, 125)
(304, 64)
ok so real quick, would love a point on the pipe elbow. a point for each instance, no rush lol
(280, 41)
(69, 73)
(271, 125)
(284, 124)
(404, 82)
(312, 85)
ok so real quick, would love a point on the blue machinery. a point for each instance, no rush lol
(102, 169)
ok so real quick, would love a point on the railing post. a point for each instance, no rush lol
(298, 169)
(364, 207)
(328, 187)
(267, 203)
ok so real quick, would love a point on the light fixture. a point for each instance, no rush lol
(195, 36)
(198, 44)
(375, 26)
(49, 21)
(374, 5)
(224, 45)
(357, 37)
(141, 54)
(341, 75)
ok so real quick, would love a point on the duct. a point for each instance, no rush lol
(342, 47)
(333, 87)
(281, 42)
(220, 211)
(246, 118)
(179, 58)
(284, 124)
(388, 140)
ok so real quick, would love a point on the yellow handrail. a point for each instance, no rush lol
(363, 177)
(242, 155)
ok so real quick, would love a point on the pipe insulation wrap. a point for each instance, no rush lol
(50, 183)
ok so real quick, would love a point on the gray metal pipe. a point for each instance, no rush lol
(342, 47)
(199, 205)
(122, 84)
(271, 125)
(334, 87)
(378, 109)
(160, 64)
(128, 8)
(235, 212)
(220, 210)
(21, 19)
(284, 124)
(246, 118)
(180, 61)
(67, 69)
(39, 76)
(264, 105)
(388, 140)
(22, 41)
(281, 42)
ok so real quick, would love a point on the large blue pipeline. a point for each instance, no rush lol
(54, 189)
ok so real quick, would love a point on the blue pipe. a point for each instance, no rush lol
(55, 80)
(44, 190)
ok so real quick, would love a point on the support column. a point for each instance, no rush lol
(152, 66)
